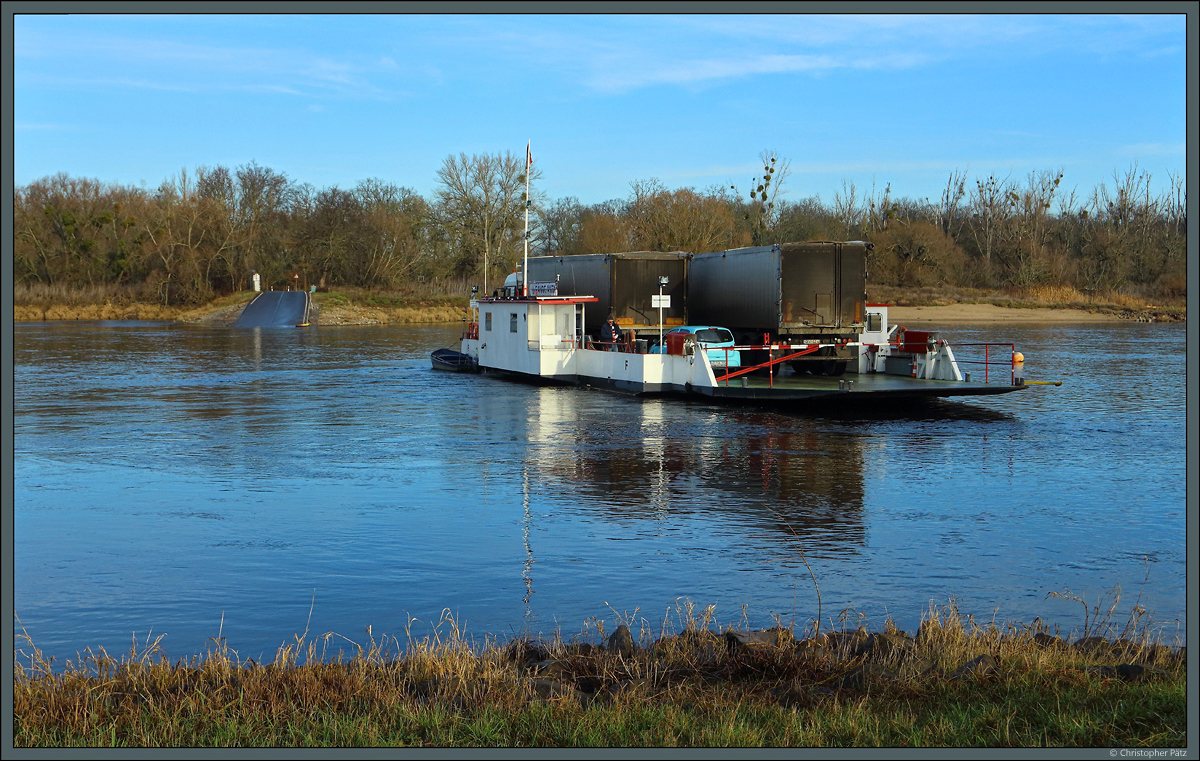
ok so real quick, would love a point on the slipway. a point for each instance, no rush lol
(276, 309)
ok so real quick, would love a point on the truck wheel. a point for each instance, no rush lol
(833, 367)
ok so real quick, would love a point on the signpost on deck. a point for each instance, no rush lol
(661, 301)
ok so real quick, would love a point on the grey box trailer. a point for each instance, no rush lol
(799, 290)
(813, 291)
(624, 285)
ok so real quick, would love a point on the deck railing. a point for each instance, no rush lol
(771, 362)
(990, 358)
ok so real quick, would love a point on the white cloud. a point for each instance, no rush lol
(645, 73)
(176, 65)
(621, 53)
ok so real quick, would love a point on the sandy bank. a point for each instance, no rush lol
(958, 313)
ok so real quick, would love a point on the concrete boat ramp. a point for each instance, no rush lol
(276, 309)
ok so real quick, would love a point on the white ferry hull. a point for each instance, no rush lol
(539, 340)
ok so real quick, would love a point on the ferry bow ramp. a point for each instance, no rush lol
(276, 309)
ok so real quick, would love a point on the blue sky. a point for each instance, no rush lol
(605, 99)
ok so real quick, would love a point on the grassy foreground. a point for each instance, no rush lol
(953, 684)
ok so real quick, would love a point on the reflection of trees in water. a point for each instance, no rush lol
(658, 459)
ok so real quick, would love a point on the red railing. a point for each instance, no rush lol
(769, 363)
(987, 361)
(625, 346)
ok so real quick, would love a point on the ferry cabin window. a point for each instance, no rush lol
(512, 323)
(874, 322)
(487, 320)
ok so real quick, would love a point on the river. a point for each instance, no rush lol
(182, 483)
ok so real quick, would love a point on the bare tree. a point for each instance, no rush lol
(559, 227)
(481, 199)
(215, 195)
(990, 203)
(603, 229)
(879, 212)
(1026, 254)
(394, 226)
(761, 213)
(187, 231)
(846, 209)
(330, 244)
(952, 195)
(806, 219)
(1175, 203)
(264, 199)
(1138, 226)
(681, 220)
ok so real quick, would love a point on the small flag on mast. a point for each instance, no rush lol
(528, 156)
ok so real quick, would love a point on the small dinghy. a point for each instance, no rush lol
(452, 361)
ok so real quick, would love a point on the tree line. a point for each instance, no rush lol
(204, 233)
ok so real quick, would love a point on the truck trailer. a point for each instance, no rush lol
(813, 291)
(624, 285)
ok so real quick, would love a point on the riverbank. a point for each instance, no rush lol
(331, 309)
(952, 684)
(350, 308)
(964, 313)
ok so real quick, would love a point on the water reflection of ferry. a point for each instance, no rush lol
(795, 479)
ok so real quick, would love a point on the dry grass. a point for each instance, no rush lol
(1063, 295)
(355, 314)
(37, 302)
(704, 685)
(95, 312)
(40, 294)
(1042, 296)
(341, 307)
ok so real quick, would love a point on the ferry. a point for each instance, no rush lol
(541, 338)
(817, 337)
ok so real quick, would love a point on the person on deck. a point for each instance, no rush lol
(611, 335)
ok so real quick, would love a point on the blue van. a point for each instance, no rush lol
(712, 339)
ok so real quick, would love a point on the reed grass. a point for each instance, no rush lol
(43, 294)
(1040, 296)
(360, 306)
(689, 683)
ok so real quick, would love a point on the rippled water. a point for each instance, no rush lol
(188, 482)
